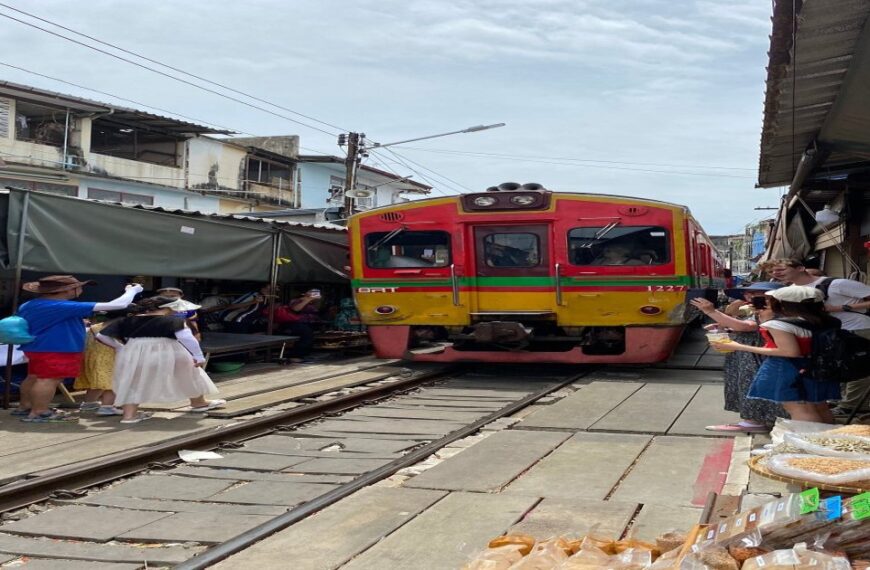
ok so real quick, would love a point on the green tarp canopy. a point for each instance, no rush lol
(70, 235)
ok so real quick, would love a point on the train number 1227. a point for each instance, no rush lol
(666, 288)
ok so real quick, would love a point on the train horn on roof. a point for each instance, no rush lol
(509, 186)
(533, 186)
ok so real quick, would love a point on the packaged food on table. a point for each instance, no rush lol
(498, 558)
(797, 558)
(524, 541)
(818, 518)
(546, 555)
(709, 557)
(852, 533)
(821, 469)
(852, 429)
(591, 557)
(671, 540)
(833, 445)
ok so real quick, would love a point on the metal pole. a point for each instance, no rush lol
(65, 140)
(19, 259)
(273, 280)
(350, 171)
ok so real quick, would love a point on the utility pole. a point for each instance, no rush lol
(351, 163)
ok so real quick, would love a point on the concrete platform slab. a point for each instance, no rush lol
(418, 414)
(562, 517)
(272, 493)
(338, 435)
(706, 408)
(501, 393)
(653, 520)
(215, 509)
(582, 408)
(112, 552)
(97, 524)
(195, 527)
(242, 475)
(711, 360)
(588, 465)
(4, 558)
(166, 487)
(473, 404)
(338, 533)
(492, 463)
(447, 534)
(277, 444)
(652, 409)
(253, 461)
(656, 375)
(48, 564)
(357, 445)
(362, 425)
(338, 466)
(677, 471)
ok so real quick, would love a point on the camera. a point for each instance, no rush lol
(759, 302)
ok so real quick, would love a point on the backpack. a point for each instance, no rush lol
(824, 285)
(14, 330)
(837, 355)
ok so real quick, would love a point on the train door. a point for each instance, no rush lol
(513, 269)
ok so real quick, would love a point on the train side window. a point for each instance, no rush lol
(619, 245)
(511, 250)
(401, 248)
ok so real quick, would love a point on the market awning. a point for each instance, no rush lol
(818, 85)
(71, 235)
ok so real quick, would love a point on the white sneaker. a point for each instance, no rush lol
(110, 411)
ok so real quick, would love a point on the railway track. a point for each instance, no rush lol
(276, 470)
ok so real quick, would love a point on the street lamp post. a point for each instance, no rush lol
(357, 148)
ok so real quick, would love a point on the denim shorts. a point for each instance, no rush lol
(778, 380)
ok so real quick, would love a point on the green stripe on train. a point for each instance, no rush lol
(525, 282)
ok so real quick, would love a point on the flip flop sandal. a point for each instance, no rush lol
(50, 418)
(89, 406)
(738, 428)
(139, 417)
(213, 405)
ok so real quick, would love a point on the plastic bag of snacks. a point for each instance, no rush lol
(499, 558)
(852, 533)
(545, 555)
(709, 557)
(797, 558)
(833, 445)
(591, 556)
(821, 469)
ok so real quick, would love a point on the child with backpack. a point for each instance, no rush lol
(795, 313)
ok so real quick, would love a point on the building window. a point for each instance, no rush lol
(122, 197)
(5, 105)
(40, 124)
(399, 249)
(51, 188)
(618, 245)
(134, 143)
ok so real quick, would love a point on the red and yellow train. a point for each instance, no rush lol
(523, 274)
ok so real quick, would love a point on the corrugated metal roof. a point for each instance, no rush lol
(121, 114)
(805, 102)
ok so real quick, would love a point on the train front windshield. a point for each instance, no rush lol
(619, 245)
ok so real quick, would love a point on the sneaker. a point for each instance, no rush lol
(109, 411)
(89, 406)
(50, 418)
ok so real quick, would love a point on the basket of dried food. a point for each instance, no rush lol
(761, 465)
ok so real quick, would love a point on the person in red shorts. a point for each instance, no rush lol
(56, 322)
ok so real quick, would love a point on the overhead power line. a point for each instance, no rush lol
(164, 74)
(559, 159)
(423, 177)
(405, 159)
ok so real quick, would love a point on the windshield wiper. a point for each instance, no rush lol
(386, 238)
(600, 234)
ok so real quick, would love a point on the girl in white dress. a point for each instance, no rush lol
(159, 361)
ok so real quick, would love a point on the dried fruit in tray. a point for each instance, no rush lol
(821, 469)
(853, 429)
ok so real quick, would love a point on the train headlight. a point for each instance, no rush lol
(650, 310)
(386, 310)
(484, 201)
(523, 200)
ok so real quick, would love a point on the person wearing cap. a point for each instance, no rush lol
(756, 416)
(158, 360)
(846, 299)
(295, 319)
(57, 323)
(786, 346)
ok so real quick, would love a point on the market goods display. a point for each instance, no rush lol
(800, 531)
(820, 468)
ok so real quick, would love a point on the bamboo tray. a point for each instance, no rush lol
(854, 489)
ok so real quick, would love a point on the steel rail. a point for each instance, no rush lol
(238, 543)
(85, 474)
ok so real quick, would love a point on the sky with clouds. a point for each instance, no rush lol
(654, 98)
